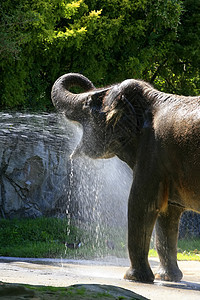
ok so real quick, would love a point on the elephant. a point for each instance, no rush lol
(158, 135)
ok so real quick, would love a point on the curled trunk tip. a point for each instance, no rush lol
(66, 101)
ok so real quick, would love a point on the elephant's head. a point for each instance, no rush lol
(111, 117)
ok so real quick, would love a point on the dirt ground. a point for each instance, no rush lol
(65, 273)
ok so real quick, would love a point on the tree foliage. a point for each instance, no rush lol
(106, 40)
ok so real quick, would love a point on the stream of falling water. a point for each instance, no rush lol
(69, 200)
(71, 174)
(101, 218)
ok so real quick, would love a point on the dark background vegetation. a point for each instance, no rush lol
(106, 40)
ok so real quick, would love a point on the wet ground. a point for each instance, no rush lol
(62, 273)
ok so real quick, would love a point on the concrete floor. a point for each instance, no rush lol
(110, 272)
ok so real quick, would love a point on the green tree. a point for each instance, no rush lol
(29, 30)
(106, 40)
(181, 72)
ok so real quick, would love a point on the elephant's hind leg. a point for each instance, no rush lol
(167, 227)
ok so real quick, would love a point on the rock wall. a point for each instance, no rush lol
(33, 156)
(37, 178)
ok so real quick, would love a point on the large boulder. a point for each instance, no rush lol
(33, 156)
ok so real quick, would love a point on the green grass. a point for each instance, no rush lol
(188, 249)
(46, 237)
(41, 237)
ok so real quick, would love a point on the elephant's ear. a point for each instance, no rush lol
(128, 106)
(137, 102)
(116, 109)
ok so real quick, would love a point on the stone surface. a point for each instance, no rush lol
(189, 225)
(76, 292)
(33, 157)
(37, 177)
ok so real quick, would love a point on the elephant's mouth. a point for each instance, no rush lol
(95, 150)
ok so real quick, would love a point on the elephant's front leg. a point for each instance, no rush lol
(142, 214)
(167, 228)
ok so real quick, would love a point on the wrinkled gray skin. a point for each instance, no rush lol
(158, 136)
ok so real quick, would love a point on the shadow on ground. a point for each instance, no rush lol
(183, 285)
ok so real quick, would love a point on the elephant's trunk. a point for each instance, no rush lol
(71, 104)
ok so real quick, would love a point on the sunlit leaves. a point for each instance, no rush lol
(106, 40)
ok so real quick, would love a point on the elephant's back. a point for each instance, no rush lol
(179, 121)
